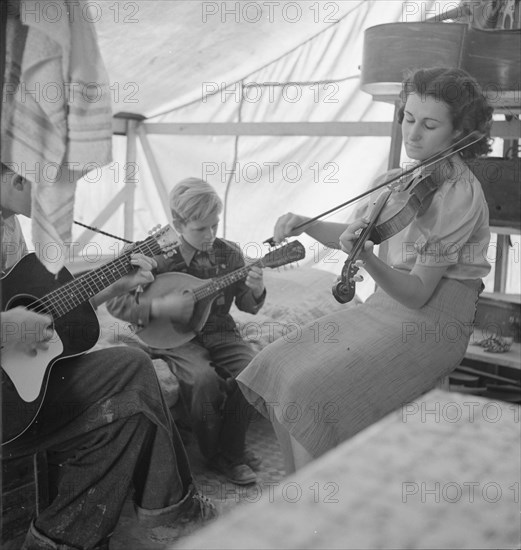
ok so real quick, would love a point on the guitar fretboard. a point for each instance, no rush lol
(69, 296)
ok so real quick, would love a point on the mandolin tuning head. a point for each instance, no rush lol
(169, 250)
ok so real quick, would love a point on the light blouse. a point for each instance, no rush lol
(453, 232)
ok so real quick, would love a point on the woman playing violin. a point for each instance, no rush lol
(416, 327)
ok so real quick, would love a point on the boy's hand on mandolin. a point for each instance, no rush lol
(178, 307)
(255, 281)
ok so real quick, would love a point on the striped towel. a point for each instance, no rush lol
(56, 119)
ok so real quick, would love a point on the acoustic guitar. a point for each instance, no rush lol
(75, 324)
(164, 335)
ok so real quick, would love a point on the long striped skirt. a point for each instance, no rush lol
(330, 379)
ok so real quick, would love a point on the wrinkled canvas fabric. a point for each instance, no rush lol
(56, 118)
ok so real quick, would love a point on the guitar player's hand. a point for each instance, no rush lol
(178, 307)
(26, 329)
(143, 275)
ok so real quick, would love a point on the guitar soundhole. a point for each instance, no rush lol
(23, 300)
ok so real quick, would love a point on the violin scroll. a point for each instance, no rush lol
(344, 289)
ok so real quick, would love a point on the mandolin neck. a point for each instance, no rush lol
(214, 286)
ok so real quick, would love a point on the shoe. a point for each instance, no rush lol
(236, 472)
(252, 459)
(185, 517)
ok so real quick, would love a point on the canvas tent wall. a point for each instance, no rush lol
(266, 107)
(283, 124)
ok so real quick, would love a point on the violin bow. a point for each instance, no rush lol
(437, 157)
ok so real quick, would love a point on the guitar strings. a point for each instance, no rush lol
(64, 299)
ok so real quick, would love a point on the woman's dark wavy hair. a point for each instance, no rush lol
(468, 105)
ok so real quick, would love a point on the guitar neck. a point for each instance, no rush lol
(69, 296)
(214, 286)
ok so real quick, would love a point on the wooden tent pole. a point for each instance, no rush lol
(154, 169)
(130, 179)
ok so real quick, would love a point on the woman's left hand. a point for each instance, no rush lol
(255, 281)
(351, 234)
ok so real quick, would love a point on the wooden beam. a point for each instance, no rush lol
(130, 178)
(501, 263)
(378, 129)
(119, 126)
(396, 141)
(505, 129)
(154, 168)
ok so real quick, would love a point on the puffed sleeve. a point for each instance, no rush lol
(455, 227)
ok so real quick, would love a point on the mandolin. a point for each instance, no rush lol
(163, 335)
(75, 324)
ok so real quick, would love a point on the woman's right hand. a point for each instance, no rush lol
(285, 226)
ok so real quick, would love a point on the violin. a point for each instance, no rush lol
(411, 199)
(393, 210)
